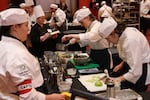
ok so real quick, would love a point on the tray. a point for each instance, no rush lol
(124, 94)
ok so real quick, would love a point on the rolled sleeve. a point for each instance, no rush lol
(130, 77)
(83, 40)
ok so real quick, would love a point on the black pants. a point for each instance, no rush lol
(144, 25)
(139, 86)
(101, 57)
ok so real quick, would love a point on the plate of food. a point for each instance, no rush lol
(93, 82)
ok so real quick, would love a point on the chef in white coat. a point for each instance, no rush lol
(58, 17)
(99, 46)
(28, 6)
(134, 49)
(19, 70)
(104, 11)
(144, 16)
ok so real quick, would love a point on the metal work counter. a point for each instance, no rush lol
(78, 89)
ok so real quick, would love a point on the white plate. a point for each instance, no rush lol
(53, 32)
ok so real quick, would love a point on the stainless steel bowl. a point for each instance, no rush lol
(81, 59)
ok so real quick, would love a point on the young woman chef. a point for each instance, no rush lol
(134, 49)
(19, 70)
(99, 46)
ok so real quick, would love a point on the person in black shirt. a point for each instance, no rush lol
(40, 37)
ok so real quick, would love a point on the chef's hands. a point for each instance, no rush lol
(69, 37)
(55, 97)
(118, 79)
(44, 37)
(114, 79)
(54, 36)
(66, 38)
(72, 41)
(118, 67)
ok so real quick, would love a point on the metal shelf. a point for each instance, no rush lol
(128, 12)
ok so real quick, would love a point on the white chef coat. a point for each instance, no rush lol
(92, 37)
(144, 7)
(134, 49)
(60, 16)
(17, 65)
(32, 18)
(105, 11)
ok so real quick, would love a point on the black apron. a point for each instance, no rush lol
(139, 86)
(101, 57)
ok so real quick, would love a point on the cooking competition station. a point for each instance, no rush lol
(76, 75)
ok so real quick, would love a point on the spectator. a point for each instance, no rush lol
(58, 18)
(40, 38)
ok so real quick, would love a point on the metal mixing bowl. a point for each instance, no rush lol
(81, 59)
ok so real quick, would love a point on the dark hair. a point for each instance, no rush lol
(0, 33)
(92, 17)
(5, 30)
(120, 27)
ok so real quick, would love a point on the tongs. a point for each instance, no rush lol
(66, 46)
(106, 75)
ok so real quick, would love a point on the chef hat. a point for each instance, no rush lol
(13, 16)
(77, 11)
(38, 11)
(82, 13)
(54, 6)
(107, 26)
(29, 3)
(103, 2)
(22, 5)
(84, 7)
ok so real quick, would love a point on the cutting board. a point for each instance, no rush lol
(88, 81)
